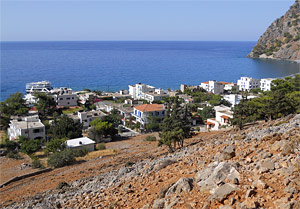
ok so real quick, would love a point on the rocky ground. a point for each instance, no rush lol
(258, 167)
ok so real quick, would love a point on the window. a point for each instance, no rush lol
(36, 130)
(61, 98)
(72, 97)
(68, 98)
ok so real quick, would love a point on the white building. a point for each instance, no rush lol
(213, 87)
(248, 83)
(64, 97)
(30, 127)
(87, 117)
(142, 112)
(234, 99)
(151, 97)
(136, 91)
(81, 143)
(223, 115)
(265, 84)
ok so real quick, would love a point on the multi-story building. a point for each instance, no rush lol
(265, 84)
(223, 115)
(30, 127)
(142, 112)
(248, 83)
(136, 91)
(213, 87)
(64, 97)
(87, 117)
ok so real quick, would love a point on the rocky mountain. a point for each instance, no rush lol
(282, 38)
(257, 167)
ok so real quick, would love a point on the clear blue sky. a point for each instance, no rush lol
(222, 20)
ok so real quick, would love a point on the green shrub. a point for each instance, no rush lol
(30, 146)
(37, 164)
(63, 158)
(9, 145)
(13, 155)
(150, 138)
(80, 152)
(62, 184)
(101, 146)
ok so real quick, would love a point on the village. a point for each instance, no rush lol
(135, 106)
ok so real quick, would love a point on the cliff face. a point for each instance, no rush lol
(282, 38)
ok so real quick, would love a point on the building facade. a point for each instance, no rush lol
(266, 83)
(29, 127)
(248, 83)
(141, 113)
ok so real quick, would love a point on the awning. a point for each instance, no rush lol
(225, 117)
(210, 123)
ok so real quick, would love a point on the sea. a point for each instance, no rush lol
(113, 65)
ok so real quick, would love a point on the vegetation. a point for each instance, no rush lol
(36, 163)
(55, 145)
(153, 123)
(14, 105)
(101, 146)
(150, 138)
(30, 146)
(283, 99)
(65, 157)
(175, 126)
(101, 129)
(206, 112)
(65, 127)
(12, 155)
(45, 105)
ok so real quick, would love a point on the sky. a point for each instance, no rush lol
(189, 20)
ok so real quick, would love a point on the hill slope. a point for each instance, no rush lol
(282, 38)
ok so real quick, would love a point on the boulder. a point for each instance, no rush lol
(182, 185)
(158, 204)
(223, 191)
(228, 152)
(164, 163)
(266, 165)
(215, 174)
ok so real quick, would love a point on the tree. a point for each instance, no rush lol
(152, 123)
(14, 105)
(175, 126)
(114, 117)
(55, 145)
(207, 112)
(30, 146)
(101, 129)
(65, 127)
(45, 104)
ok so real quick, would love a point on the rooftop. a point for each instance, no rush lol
(78, 142)
(27, 124)
(150, 107)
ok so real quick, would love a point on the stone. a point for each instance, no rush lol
(266, 165)
(250, 204)
(163, 164)
(259, 184)
(228, 152)
(158, 204)
(249, 193)
(223, 192)
(291, 189)
(182, 185)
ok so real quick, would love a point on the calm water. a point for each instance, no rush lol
(114, 65)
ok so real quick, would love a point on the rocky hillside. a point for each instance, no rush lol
(258, 167)
(282, 39)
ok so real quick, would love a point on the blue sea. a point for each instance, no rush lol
(113, 65)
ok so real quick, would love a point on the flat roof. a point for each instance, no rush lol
(78, 142)
(25, 124)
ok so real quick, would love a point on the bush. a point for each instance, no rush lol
(37, 164)
(30, 146)
(63, 158)
(101, 146)
(150, 138)
(80, 152)
(13, 155)
(9, 145)
(62, 185)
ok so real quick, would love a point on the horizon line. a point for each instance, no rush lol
(128, 41)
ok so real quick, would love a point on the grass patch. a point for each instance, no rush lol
(71, 110)
(101, 146)
(150, 138)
